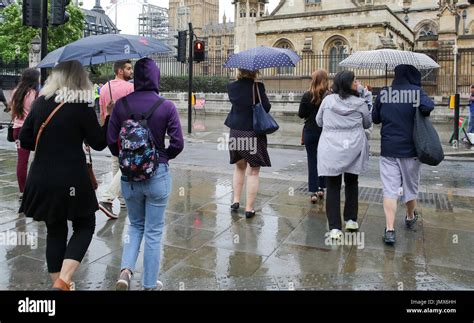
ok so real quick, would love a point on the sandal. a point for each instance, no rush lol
(314, 198)
(320, 194)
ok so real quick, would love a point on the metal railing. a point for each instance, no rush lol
(435, 82)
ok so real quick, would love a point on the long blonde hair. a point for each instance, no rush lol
(319, 86)
(247, 74)
(69, 76)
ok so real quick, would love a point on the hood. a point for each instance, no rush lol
(407, 74)
(346, 106)
(147, 76)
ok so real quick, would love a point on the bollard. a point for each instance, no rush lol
(457, 100)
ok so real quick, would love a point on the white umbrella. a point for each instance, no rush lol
(388, 59)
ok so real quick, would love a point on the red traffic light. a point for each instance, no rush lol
(199, 51)
(199, 46)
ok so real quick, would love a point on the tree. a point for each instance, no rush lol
(13, 35)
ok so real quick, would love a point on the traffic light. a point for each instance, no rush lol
(59, 16)
(199, 51)
(32, 13)
(181, 47)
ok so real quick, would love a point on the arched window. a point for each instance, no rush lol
(243, 13)
(426, 28)
(338, 50)
(253, 13)
(285, 43)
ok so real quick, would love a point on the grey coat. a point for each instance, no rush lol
(343, 146)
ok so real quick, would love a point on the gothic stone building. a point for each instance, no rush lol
(329, 30)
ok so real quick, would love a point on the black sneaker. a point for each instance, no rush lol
(235, 206)
(106, 207)
(411, 223)
(389, 237)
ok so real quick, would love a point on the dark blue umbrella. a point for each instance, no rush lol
(263, 57)
(105, 48)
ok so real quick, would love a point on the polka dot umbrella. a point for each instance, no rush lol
(263, 57)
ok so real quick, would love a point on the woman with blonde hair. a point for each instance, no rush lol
(58, 186)
(309, 107)
(247, 149)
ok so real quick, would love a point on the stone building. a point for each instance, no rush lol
(97, 22)
(199, 12)
(327, 31)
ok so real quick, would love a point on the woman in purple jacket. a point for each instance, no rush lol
(147, 200)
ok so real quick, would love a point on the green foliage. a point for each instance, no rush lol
(13, 35)
(201, 84)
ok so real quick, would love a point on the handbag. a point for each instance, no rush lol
(90, 169)
(263, 122)
(427, 143)
(10, 132)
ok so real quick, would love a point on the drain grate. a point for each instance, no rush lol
(375, 195)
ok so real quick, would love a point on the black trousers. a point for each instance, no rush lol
(311, 141)
(57, 246)
(333, 199)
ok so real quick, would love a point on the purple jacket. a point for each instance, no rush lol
(164, 120)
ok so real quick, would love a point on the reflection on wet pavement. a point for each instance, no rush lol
(206, 247)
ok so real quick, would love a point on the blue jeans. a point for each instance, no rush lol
(311, 141)
(146, 203)
(471, 122)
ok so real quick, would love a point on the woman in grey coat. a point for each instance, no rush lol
(343, 148)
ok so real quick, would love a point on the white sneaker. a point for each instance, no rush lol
(335, 234)
(352, 225)
(159, 286)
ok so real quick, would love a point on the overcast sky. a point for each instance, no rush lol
(126, 12)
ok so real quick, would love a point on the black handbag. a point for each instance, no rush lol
(263, 122)
(427, 143)
(10, 132)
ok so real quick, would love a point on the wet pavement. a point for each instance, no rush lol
(206, 247)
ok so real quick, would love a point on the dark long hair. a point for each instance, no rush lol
(319, 86)
(343, 84)
(29, 81)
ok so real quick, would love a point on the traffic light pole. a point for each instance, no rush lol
(190, 85)
(44, 37)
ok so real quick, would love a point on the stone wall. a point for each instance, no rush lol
(288, 104)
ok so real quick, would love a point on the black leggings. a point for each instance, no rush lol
(333, 201)
(57, 246)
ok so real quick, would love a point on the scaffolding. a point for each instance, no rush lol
(154, 22)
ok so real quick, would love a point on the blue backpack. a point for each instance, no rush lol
(138, 156)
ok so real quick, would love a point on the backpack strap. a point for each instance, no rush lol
(146, 116)
(153, 108)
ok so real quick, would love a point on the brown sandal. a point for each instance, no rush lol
(61, 285)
